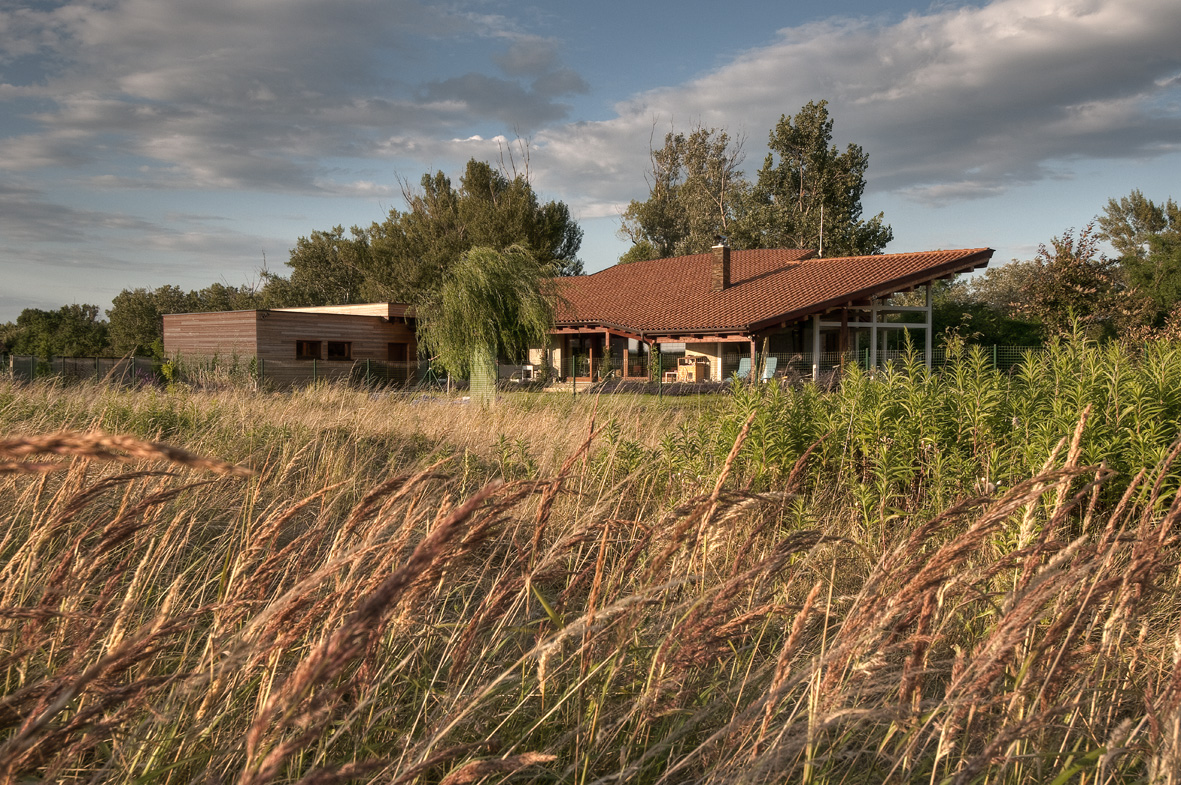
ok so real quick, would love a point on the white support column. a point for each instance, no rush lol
(929, 327)
(815, 348)
(873, 334)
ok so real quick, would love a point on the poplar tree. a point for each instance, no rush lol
(808, 193)
(694, 182)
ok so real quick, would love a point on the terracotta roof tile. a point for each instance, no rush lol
(674, 295)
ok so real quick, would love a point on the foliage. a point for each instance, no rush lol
(1148, 238)
(8, 335)
(137, 315)
(412, 252)
(915, 578)
(71, 331)
(1072, 280)
(493, 303)
(984, 308)
(327, 268)
(1131, 223)
(808, 194)
(693, 187)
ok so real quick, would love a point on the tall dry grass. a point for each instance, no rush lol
(430, 593)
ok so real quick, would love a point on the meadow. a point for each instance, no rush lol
(951, 577)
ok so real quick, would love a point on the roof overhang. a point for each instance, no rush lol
(905, 283)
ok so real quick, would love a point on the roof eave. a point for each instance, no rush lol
(962, 265)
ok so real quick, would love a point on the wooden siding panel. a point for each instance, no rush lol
(370, 335)
(206, 334)
(271, 336)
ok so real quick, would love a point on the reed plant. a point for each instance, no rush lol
(954, 577)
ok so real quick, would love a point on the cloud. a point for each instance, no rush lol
(26, 217)
(503, 99)
(529, 56)
(957, 103)
(254, 94)
(58, 235)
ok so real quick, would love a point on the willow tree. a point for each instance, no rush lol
(491, 304)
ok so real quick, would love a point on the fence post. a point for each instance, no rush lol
(313, 370)
(368, 378)
(573, 380)
(994, 365)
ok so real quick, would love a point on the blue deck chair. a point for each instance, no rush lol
(743, 371)
(769, 366)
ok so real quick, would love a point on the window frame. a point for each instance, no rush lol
(301, 346)
(347, 356)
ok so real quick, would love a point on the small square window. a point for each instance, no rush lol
(307, 350)
(340, 350)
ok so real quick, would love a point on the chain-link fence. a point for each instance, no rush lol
(117, 370)
(218, 371)
(660, 367)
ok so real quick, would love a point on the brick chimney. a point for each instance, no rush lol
(720, 272)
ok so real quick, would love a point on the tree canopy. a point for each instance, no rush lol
(807, 194)
(1147, 236)
(406, 257)
(412, 251)
(327, 268)
(694, 184)
(492, 303)
(71, 331)
(137, 315)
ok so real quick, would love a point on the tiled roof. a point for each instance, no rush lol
(668, 296)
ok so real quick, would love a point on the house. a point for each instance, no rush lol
(721, 306)
(298, 345)
(714, 312)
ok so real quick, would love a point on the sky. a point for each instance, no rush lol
(154, 142)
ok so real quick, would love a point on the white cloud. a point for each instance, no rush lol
(254, 93)
(953, 104)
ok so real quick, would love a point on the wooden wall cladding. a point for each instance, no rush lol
(370, 336)
(207, 334)
(271, 336)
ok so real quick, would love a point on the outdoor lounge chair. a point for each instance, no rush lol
(769, 366)
(743, 371)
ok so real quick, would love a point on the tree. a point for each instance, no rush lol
(493, 303)
(137, 315)
(1148, 238)
(1071, 281)
(413, 251)
(219, 297)
(137, 318)
(327, 268)
(985, 308)
(1131, 223)
(9, 332)
(808, 194)
(694, 182)
(71, 331)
